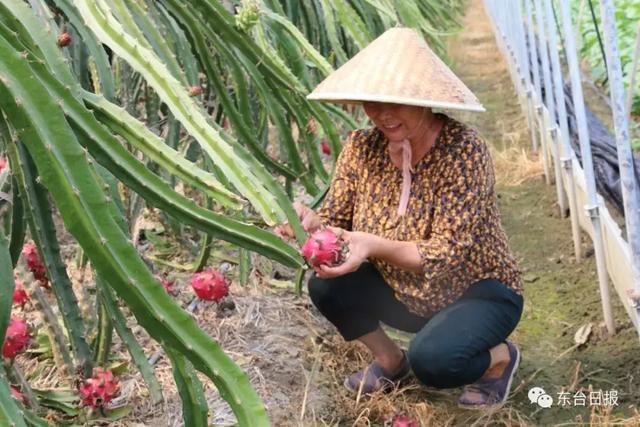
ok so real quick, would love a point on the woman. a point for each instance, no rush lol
(413, 197)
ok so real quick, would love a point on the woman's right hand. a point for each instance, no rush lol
(308, 218)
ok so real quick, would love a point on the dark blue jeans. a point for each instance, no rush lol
(450, 348)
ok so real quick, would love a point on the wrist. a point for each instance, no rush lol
(376, 246)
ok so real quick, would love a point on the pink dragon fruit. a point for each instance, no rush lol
(34, 264)
(324, 145)
(98, 390)
(195, 90)
(210, 285)
(403, 421)
(17, 394)
(3, 163)
(167, 285)
(20, 296)
(324, 247)
(64, 39)
(17, 337)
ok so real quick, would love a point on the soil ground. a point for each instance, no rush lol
(297, 362)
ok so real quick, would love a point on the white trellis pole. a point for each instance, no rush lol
(550, 118)
(563, 147)
(634, 70)
(537, 92)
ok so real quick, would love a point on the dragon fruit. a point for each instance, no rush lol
(403, 421)
(324, 247)
(195, 90)
(20, 296)
(324, 145)
(98, 390)
(210, 285)
(17, 338)
(64, 39)
(34, 264)
(167, 285)
(3, 163)
(17, 394)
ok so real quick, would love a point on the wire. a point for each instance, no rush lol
(604, 57)
(555, 18)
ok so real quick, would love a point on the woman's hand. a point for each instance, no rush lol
(361, 246)
(308, 218)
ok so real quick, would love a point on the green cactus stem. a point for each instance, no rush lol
(194, 403)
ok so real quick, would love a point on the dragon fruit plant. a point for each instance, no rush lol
(100, 389)
(34, 263)
(324, 247)
(17, 337)
(210, 285)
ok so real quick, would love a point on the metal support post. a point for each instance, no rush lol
(563, 147)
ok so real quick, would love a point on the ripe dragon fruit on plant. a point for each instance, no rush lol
(98, 390)
(403, 421)
(3, 163)
(210, 285)
(17, 337)
(64, 39)
(20, 296)
(34, 264)
(324, 247)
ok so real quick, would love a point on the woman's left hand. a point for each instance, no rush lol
(360, 248)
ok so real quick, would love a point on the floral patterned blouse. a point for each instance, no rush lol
(452, 213)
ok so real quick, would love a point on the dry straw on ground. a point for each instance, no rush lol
(514, 165)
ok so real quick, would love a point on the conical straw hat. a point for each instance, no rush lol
(397, 67)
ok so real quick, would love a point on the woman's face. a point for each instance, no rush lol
(396, 121)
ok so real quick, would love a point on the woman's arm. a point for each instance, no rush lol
(401, 254)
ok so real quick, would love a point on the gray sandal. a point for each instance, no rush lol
(374, 377)
(493, 392)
